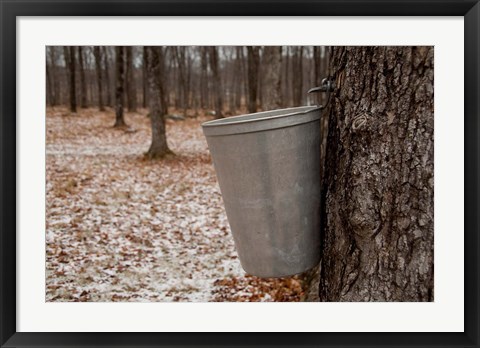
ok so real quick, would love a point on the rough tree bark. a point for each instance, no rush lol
(273, 77)
(120, 80)
(253, 61)
(217, 81)
(69, 53)
(83, 84)
(378, 186)
(131, 84)
(157, 102)
(98, 67)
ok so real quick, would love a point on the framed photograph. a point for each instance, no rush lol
(239, 173)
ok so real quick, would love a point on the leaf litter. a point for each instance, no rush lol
(122, 228)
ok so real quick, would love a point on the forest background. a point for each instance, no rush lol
(134, 212)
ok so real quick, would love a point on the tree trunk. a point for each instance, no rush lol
(320, 64)
(317, 64)
(83, 84)
(188, 83)
(378, 187)
(120, 80)
(239, 74)
(98, 68)
(54, 75)
(145, 78)
(203, 78)
(106, 78)
(287, 95)
(244, 74)
(273, 77)
(157, 102)
(131, 85)
(297, 75)
(50, 78)
(217, 81)
(70, 63)
(253, 60)
(260, 79)
(179, 54)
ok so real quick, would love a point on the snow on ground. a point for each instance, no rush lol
(122, 228)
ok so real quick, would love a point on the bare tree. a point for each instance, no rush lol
(253, 60)
(120, 80)
(179, 56)
(131, 83)
(378, 185)
(239, 74)
(144, 77)
(204, 96)
(272, 63)
(243, 74)
(106, 76)
(83, 84)
(69, 55)
(297, 75)
(217, 81)
(157, 102)
(98, 68)
(50, 70)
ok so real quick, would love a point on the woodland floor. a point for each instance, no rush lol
(123, 228)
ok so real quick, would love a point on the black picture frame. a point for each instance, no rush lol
(9, 337)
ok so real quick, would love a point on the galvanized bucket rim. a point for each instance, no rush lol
(261, 121)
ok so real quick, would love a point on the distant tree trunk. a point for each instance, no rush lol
(260, 79)
(54, 75)
(253, 61)
(157, 102)
(239, 74)
(217, 81)
(317, 64)
(109, 99)
(179, 54)
(120, 80)
(287, 84)
(188, 82)
(320, 64)
(145, 78)
(203, 77)
(233, 80)
(69, 52)
(98, 68)
(272, 77)
(83, 85)
(378, 186)
(244, 73)
(50, 80)
(131, 84)
(297, 76)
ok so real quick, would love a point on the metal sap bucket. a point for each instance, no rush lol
(268, 168)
